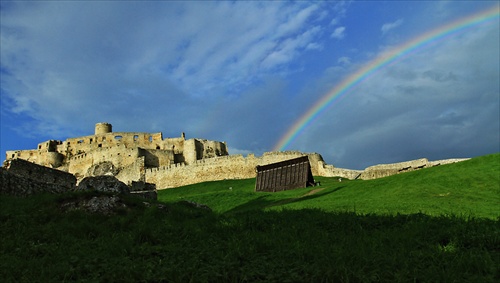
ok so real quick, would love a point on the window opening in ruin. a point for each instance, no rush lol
(136, 137)
(90, 140)
(99, 145)
(150, 138)
(39, 147)
(13, 155)
(103, 138)
(157, 147)
(80, 141)
(118, 138)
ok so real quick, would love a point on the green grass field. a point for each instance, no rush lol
(470, 188)
(440, 224)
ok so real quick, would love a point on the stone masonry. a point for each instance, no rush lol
(125, 155)
(173, 162)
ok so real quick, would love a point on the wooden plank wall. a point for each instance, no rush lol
(285, 175)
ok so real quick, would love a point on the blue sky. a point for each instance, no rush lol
(244, 72)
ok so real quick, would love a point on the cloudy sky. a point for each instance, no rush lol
(245, 72)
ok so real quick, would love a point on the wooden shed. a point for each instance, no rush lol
(285, 175)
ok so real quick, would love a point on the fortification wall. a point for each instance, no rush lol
(326, 170)
(133, 172)
(220, 168)
(384, 170)
(40, 174)
(120, 156)
(42, 157)
(197, 149)
(79, 145)
(157, 157)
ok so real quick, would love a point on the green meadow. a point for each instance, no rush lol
(440, 224)
(469, 189)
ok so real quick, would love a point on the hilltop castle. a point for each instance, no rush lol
(124, 154)
(174, 162)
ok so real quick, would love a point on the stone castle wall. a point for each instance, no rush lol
(220, 168)
(326, 170)
(124, 150)
(173, 162)
(133, 172)
(240, 167)
(20, 177)
(385, 170)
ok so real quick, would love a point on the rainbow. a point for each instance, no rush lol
(378, 63)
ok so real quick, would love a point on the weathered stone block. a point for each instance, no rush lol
(107, 184)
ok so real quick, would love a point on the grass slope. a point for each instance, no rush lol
(469, 188)
(293, 236)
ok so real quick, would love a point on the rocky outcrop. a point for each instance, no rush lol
(105, 168)
(103, 204)
(105, 184)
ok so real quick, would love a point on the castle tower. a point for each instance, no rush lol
(103, 128)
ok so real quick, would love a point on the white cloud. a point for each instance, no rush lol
(344, 60)
(314, 46)
(62, 58)
(389, 26)
(338, 33)
(288, 49)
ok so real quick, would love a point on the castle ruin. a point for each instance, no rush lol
(173, 162)
(124, 154)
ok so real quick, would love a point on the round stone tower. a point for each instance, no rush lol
(103, 128)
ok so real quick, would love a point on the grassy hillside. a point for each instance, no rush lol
(449, 232)
(469, 188)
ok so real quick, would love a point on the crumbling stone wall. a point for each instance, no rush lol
(384, 170)
(133, 172)
(326, 170)
(220, 168)
(22, 178)
(78, 155)
(42, 174)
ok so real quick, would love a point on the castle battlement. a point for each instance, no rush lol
(81, 155)
(174, 162)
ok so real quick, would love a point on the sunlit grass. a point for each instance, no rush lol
(470, 188)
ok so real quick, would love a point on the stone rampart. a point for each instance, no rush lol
(21, 178)
(326, 170)
(28, 170)
(220, 168)
(384, 170)
(120, 156)
(133, 172)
